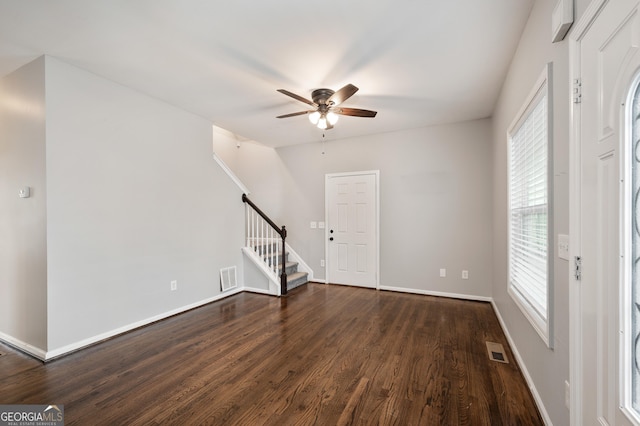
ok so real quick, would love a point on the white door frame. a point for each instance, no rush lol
(575, 219)
(575, 319)
(328, 176)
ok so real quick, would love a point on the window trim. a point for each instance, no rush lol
(542, 87)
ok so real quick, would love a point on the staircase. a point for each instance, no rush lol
(270, 255)
(266, 246)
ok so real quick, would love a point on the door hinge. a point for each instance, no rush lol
(577, 90)
(578, 268)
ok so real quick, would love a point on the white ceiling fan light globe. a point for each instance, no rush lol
(332, 117)
(314, 117)
(322, 123)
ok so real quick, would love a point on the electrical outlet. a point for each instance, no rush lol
(322, 263)
(174, 285)
(443, 273)
(567, 394)
(465, 275)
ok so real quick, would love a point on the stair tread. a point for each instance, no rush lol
(290, 267)
(295, 276)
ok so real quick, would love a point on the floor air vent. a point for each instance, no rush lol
(496, 352)
(228, 278)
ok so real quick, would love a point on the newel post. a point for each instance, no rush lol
(283, 274)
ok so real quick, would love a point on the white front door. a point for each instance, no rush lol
(605, 62)
(352, 228)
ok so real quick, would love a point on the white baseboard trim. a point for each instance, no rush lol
(523, 368)
(103, 336)
(437, 293)
(259, 291)
(23, 346)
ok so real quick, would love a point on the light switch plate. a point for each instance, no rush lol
(563, 246)
(24, 192)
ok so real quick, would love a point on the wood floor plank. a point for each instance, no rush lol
(323, 355)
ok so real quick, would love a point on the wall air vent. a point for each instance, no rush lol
(496, 352)
(228, 278)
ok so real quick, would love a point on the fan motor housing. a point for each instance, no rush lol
(320, 96)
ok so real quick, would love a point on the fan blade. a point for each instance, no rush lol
(297, 97)
(342, 95)
(355, 112)
(293, 114)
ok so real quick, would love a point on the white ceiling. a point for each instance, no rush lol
(416, 62)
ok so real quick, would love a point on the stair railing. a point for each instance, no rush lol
(267, 239)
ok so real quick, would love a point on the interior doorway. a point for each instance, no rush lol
(352, 231)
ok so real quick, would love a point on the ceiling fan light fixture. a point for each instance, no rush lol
(314, 117)
(332, 117)
(322, 122)
(323, 101)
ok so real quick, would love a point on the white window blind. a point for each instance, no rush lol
(529, 210)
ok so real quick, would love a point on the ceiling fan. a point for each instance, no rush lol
(325, 103)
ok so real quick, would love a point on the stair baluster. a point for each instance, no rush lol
(261, 237)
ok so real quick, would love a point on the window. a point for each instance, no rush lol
(631, 288)
(530, 208)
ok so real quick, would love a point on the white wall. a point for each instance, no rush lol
(260, 169)
(135, 201)
(133, 198)
(435, 191)
(548, 369)
(23, 258)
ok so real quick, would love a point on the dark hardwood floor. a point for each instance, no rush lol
(325, 355)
